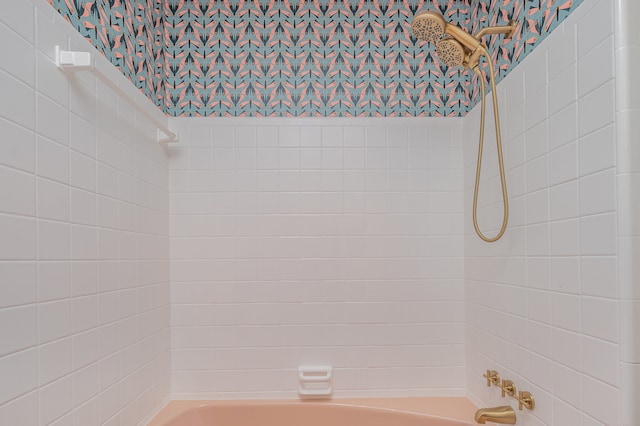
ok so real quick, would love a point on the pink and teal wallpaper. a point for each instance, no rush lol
(127, 32)
(301, 58)
(297, 58)
(536, 19)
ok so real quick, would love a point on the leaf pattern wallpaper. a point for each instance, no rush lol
(536, 19)
(314, 58)
(129, 33)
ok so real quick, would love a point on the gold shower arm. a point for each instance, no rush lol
(508, 30)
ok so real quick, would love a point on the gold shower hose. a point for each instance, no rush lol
(505, 201)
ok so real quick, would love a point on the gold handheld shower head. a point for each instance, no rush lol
(431, 26)
(459, 48)
(428, 26)
(451, 52)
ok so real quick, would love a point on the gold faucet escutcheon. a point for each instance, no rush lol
(508, 388)
(525, 399)
(492, 377)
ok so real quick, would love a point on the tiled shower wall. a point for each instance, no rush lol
(542, 303)
(317, 241)
(84, 293)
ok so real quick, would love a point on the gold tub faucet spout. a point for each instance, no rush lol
(503, 415)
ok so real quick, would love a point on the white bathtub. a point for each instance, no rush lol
(428, 411)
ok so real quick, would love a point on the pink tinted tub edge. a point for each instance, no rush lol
(452, 411)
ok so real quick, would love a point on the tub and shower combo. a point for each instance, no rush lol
(455, 47)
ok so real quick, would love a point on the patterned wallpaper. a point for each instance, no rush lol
(301, 58)
(127, 32)
(536, 19)
(313, 58)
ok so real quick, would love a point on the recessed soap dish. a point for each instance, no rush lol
(315, 382)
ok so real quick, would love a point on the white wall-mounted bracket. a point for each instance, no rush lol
(73, 60)
(82, 61)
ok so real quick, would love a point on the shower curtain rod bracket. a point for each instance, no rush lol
(78, 61)
(82, 61)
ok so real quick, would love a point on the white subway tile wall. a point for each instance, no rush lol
(303, 241)
(553, 329)
(84, 247)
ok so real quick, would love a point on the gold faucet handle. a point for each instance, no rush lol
(492, 377)
(508, 388)
(525, 399)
